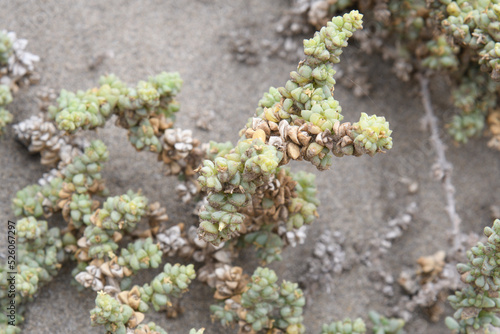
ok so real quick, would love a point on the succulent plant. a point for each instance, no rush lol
(141, 254)
(298, 121)
(171, 283)
(372, 133)
(80, 209)
(110, 313)
(263, 305)
(84, 171)
(5, 95)
(16, 65)
(120, 212)
(477, 304)
(28, 202)
(347, 326)
(251, 198)
(99, 241)
(383, 325)
(6, 49)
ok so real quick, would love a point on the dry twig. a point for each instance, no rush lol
(442, 168)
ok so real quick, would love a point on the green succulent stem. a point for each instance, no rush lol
(298, 121)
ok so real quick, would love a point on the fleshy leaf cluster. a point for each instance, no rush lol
(347, 326)
(141, 254)
(84, 171)
(264, 305)
(90, 109)
(171, 283)
(477, 306)
(110, 313)
(121, 212)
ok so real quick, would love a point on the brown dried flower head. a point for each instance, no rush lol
(230, 281)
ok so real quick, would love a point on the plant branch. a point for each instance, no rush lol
(443, 168)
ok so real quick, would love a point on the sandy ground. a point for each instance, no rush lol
(358, 195)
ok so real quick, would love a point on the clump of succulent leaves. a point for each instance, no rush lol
(39, 257)
(459, 38)
(16, 65)
(122, 311)
(381, 325)
(478, 304)
(261, 304)
(5, 98)
(41, 248)
(16, 68)
(251, 197)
